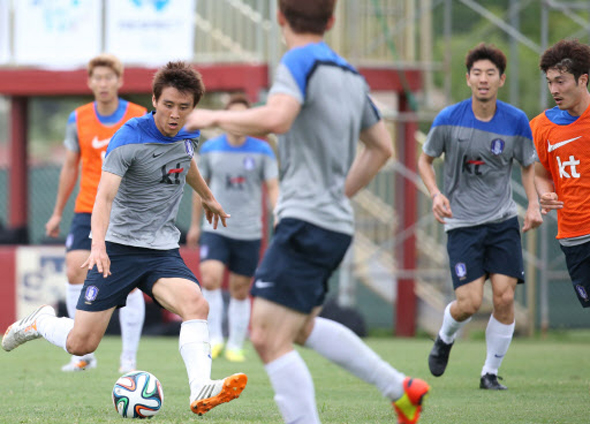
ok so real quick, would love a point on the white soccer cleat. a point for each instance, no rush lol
(80, 363)
(126, 366)
(217, 392)
(25, 329)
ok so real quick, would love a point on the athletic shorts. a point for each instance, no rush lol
(485, 249)
(79, 236)
(577, 259)
(131, 267)
(240, 256)
(298, 263)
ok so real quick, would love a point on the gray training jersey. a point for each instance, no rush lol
(236, 175)
(315, 155)
(478, 161)
(153, 168)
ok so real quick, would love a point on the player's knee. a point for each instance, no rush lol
(504, 302)
(259, 339)
(81, 346)
(75, 275)
(194, 307)
(468, 307)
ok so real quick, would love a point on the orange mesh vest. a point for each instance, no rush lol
(564, 151)
(94, 137)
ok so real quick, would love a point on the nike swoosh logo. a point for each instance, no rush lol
(263, 284)
(552, 147)
(157, 154)
(99, 144)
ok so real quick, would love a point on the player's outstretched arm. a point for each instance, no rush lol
(101, 213)
(67, 181)
(213, 210)
(276, 116)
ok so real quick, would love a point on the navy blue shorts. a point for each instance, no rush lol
(79, 235)
(577, 259)
(299, 261)
(240, 256)
(131, 267)
(485, 249)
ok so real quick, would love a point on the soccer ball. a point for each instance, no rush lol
(138, 394)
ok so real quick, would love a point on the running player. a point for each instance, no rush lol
(88, 132)
(319, 104)
(481, 137)
(236, 168)
(561, 137)
(135, 241)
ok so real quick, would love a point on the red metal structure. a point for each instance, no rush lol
(21, 84)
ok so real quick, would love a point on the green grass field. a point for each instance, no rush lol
(548, 383)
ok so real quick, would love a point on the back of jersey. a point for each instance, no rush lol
(317, 152)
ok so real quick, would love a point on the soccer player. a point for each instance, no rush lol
(561, 138)
(480, 138)
(135, 241)
(235, 167)
(88, 132)
(320, 106)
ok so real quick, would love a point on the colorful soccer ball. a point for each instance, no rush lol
(138, 394)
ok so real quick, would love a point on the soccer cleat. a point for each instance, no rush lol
(80, 363)
(25, 329)
(490, 382)
(409, 406)
(235, 355)
(216, 350)
(127, 366)
(217, 392)
(439, 357)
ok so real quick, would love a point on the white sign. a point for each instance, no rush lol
(40, 277)
(57, 33)
(150, 32)
(4, 32)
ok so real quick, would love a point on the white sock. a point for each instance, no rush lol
(498, 339)
(450, 327)
(72, 296)
(342, 346)
(294, 390)
(215, 318)
(238, 315)
(193, 344)
(55, 330)
(131, 318)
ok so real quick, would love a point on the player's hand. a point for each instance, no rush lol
(201, 118)
(532, 218)
(549, 202)
(98, 256)
(214, 213)
(441, 208)
(192, 236)
(52, 226)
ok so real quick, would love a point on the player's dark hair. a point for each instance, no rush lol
(569, 56)
(485, 51)
(181, 76)
(237, 98)
(308, 16)
(106, 60)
